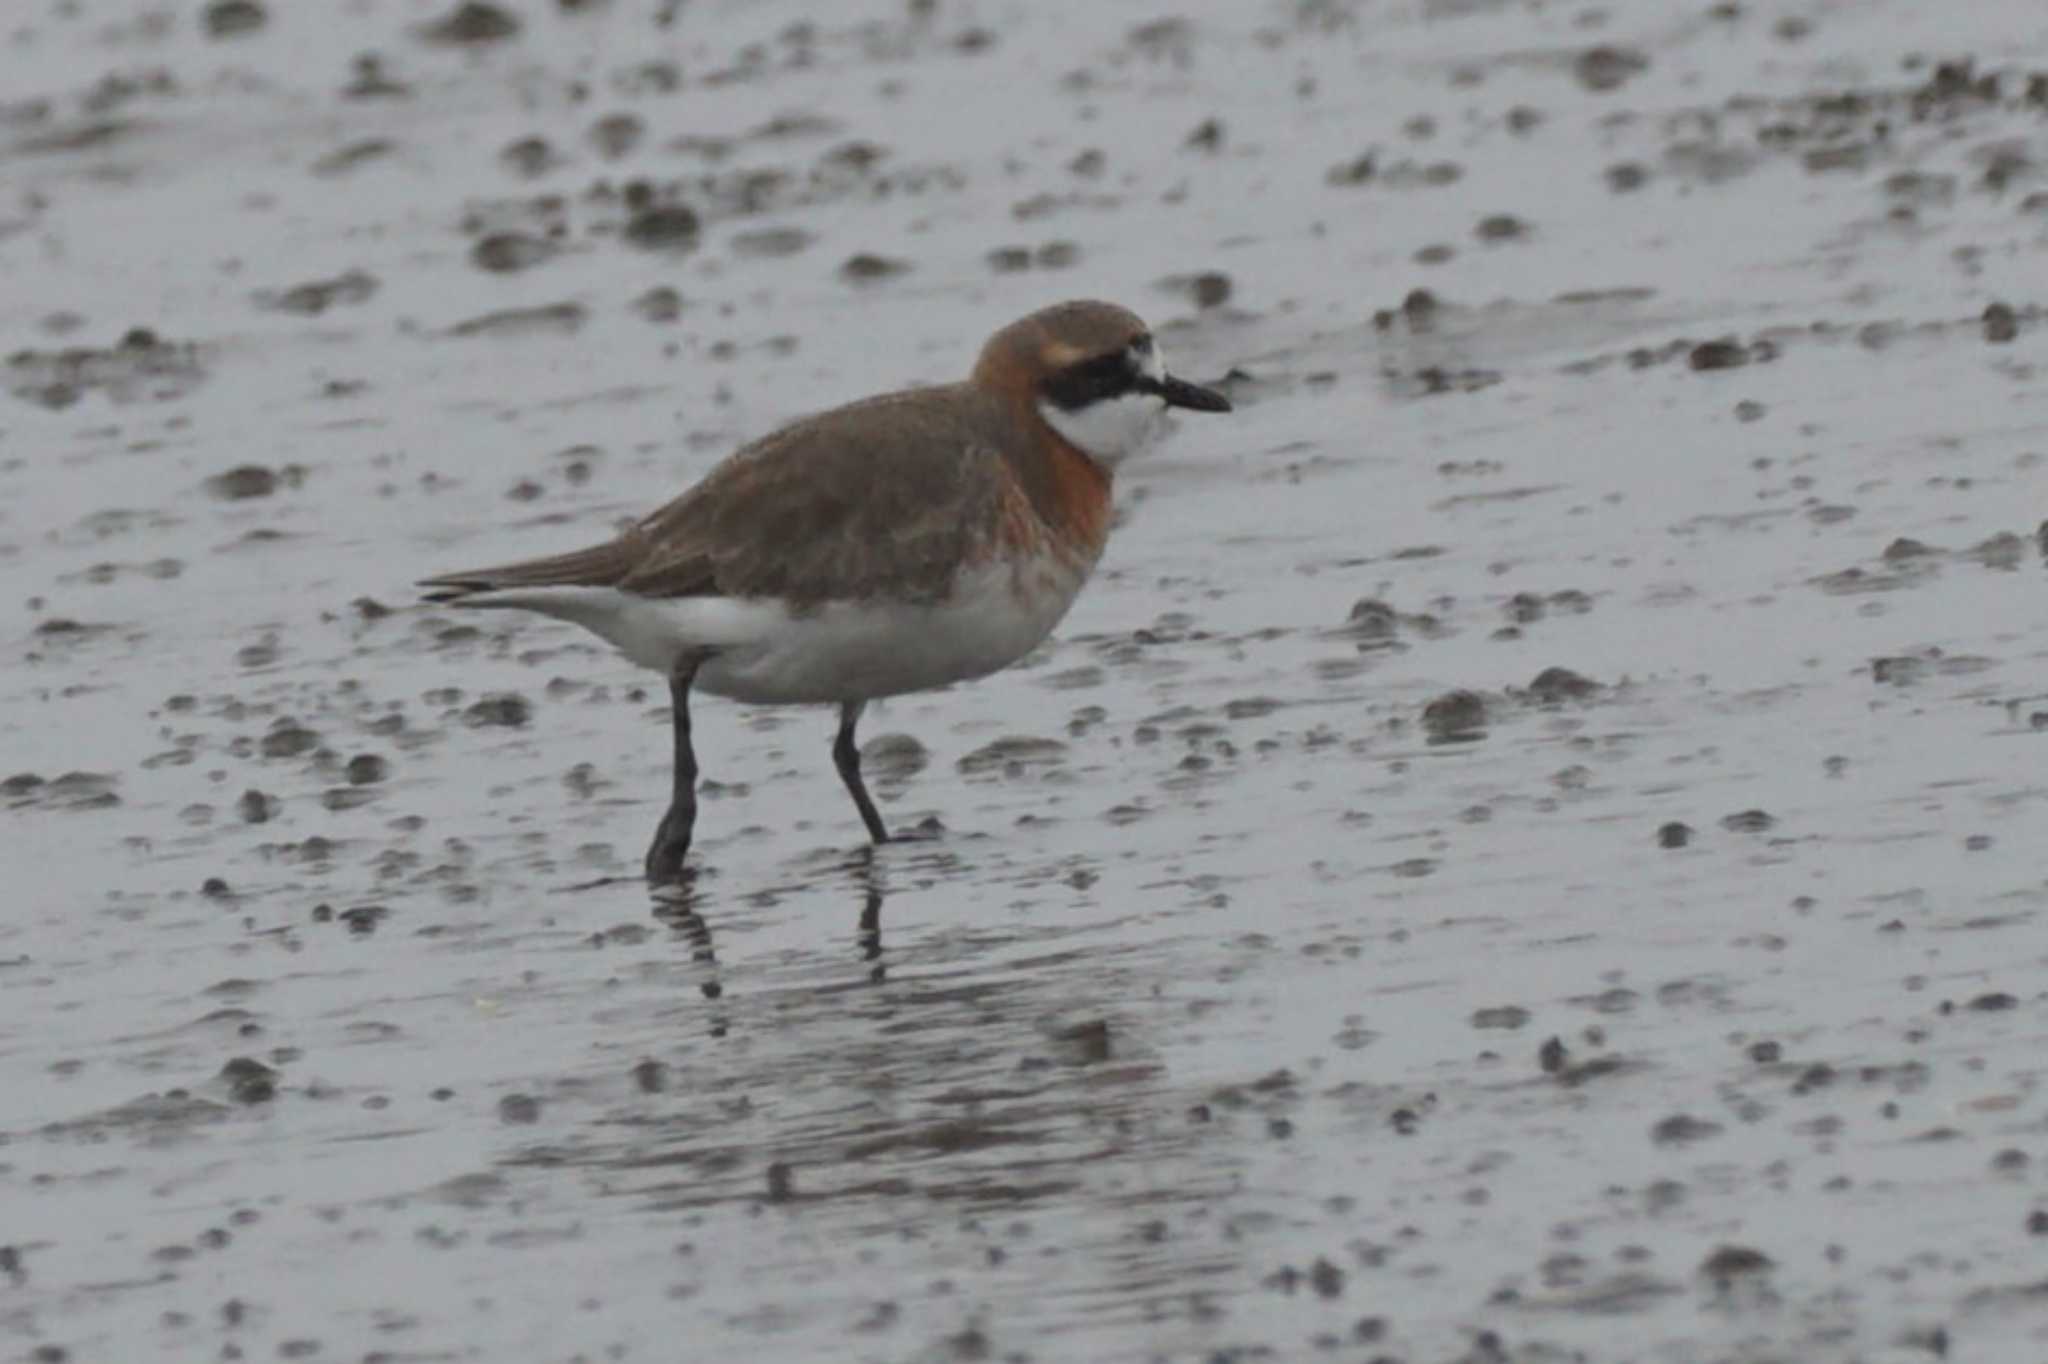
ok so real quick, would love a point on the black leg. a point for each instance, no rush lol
(846, 757)
(672, 839)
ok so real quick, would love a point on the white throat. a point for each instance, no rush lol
(1111, 430)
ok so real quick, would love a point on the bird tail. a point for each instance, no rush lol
(599, 566)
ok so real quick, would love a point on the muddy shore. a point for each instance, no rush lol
(1528, 850)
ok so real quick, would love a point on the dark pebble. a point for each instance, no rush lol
(1726, 353)
(1553, 685)
(1626, 176)
(288, 740)
(362, 920)
(663, 227)
(232, 18)
(1211, 289)
(659, 304)
(1682, 1129)
(1815, 1077)
(366, 769)
(507, 253)
(21, 785)
(249, 1081)
(616, 134)
(1601, 69)
(1501, 227)
(242, 482)
(1455, 715)
(508, 709)
(1371, 618)
(866, 268)
(519, 1108)
(1087, 1043)
(472, 22)
(781, 1182)
(1357, 171)
(528, 157)
(1727, 1262)
(894, 757)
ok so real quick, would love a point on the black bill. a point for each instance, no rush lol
(1181, 393)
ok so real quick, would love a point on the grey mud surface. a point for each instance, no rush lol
(1531, 849)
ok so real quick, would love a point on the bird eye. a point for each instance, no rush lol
(1104, 376)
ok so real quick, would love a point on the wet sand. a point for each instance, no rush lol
(1527, 851)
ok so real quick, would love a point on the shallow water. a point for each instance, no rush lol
(1679, 1006)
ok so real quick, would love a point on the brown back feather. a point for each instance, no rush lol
(888, 495)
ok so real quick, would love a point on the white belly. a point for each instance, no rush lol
(856, 651)
(762, 652)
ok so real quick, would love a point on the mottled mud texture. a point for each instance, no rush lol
(1528, 850)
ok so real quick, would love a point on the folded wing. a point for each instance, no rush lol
(887, 496)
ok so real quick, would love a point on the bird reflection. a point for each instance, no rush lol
(869, 936)
(686, 906)
(677, 904)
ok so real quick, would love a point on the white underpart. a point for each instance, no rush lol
(1114, 429)
(764, 653)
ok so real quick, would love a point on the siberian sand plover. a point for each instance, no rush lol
(893, 545)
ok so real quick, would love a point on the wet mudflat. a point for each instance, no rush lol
(1529, 849)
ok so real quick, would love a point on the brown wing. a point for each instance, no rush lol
(889, 496)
